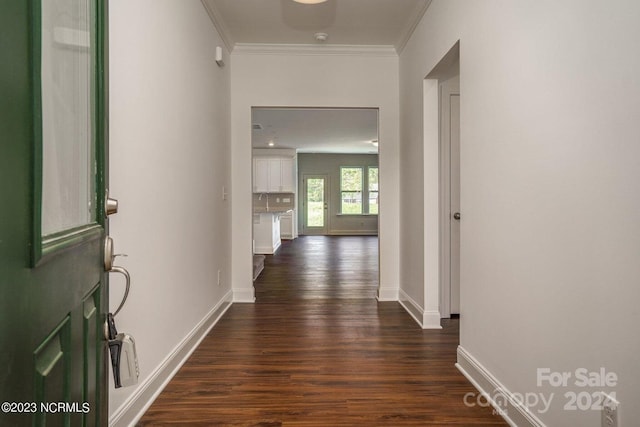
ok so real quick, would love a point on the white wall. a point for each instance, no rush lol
(170, 158)
(550, 161)
(299, 79)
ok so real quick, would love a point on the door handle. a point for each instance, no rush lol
(457, 216)
(122, 347)
(108, 253)
(127, 278)
(109, 257)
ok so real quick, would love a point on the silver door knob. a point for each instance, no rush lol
(457, 216)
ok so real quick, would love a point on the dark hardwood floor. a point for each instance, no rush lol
(317, 349)
(328, 267)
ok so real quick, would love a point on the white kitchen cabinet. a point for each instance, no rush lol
(273, 175)
(286, 225)
(260, 175)
(287, 182)
(266, 233)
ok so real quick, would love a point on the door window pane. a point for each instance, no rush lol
(68, 163)
(315, 202)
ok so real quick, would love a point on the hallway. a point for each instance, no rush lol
(318, 350)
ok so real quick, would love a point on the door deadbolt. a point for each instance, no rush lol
(110, 205)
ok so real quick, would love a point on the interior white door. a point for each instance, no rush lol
(450, 215)
(454, 209)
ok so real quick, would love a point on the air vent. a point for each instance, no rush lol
(256, 126)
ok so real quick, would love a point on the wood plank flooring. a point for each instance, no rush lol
(329, 267)
(317, 349)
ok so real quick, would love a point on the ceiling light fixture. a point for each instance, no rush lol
(309, 1)
(271, 144)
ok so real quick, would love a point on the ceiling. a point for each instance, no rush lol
(357, 24)
(347, 22)
(316, 130)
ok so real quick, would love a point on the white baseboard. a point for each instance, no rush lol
(513, 411)
(426, 319)
(246, 295)
(387, 293)
(267, 250)
(431, 320)
(134, 408)
(353, 232)
(410, 306)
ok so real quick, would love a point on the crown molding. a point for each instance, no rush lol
(314, 49)
(417, 17)
(218, 22)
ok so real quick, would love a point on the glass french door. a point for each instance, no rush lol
(315, 204)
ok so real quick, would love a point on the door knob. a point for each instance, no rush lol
(457, 216)
(110, 205)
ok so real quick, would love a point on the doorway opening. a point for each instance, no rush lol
(315, 173)
(442, 112)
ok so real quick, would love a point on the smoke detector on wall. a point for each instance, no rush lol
(321, 37)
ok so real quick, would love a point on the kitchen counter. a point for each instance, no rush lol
(271, 210)
(266, 232)
(267, 210)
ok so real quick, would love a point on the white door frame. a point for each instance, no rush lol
(447, 89)
(435, 308)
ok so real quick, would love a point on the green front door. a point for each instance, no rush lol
(53, 293)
